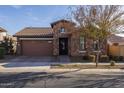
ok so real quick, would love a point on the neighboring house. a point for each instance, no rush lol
(116, 45)
(3, 33)
(62, 38)
(8, 41)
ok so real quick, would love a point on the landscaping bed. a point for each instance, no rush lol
(86, 66)
(79, 59)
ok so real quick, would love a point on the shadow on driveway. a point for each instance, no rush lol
(24, 61)
(26, 64)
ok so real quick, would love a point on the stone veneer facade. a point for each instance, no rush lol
(73, 36)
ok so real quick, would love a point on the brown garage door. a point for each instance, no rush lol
(37, 48)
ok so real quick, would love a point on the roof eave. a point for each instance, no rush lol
(32, 35)
(62, 20)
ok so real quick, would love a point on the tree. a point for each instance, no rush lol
(8, 45)
(6, 42)
(98, 22)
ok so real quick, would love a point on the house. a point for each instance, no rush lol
(116, 45)
(62, 38)
(3, 33)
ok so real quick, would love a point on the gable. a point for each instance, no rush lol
(62, 21)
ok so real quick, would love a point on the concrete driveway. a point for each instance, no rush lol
(30, 64)
(32, 59)
(23, 61)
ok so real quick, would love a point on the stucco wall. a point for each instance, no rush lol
(2, 34)
(116, 50)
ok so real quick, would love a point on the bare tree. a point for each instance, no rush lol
(98, 22)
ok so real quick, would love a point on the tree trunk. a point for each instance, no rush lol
(97, 54)
(97, 58)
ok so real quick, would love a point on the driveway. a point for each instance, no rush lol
(29, 64)
(30, 59)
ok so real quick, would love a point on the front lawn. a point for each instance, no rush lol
(87, 66)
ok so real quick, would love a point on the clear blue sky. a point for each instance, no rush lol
(15, 18)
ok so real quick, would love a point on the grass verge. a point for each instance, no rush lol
(82, 66)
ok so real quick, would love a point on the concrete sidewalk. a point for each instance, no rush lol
(50, 70)
(43, 66)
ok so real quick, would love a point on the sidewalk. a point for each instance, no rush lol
(49, 70)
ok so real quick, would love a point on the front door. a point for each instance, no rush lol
(63, 46)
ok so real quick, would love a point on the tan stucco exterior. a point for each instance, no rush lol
(116, 50)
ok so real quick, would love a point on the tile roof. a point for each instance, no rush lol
(35, 31)
(116, 39)
(2, 30)
(62, 20)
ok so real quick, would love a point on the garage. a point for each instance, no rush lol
(35, 41)
(37, 48)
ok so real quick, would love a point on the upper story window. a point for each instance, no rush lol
(62, 30)
(82, 43)
(95, 45)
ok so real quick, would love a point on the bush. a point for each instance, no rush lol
(110, 57)
(112, 63)
(121, 58)
(2, 51)
(85, 57)
(116, 58)
(104, 58)
(11, 51)
(92, 58)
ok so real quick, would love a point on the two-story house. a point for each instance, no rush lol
(3, 33)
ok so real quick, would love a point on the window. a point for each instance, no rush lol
(62, 30)
(82, 43)
(95, 45)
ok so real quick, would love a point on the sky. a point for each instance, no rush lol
(14, 18)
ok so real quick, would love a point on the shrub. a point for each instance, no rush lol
(116, 58)
(11, 51)
(92, 57)
(104, 58)
(2, 51)
(110, 57)
(85, 57)
(112, 63)
(121, 58)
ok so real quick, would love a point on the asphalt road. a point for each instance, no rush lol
(71, 79)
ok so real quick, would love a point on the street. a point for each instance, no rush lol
(69, 79)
